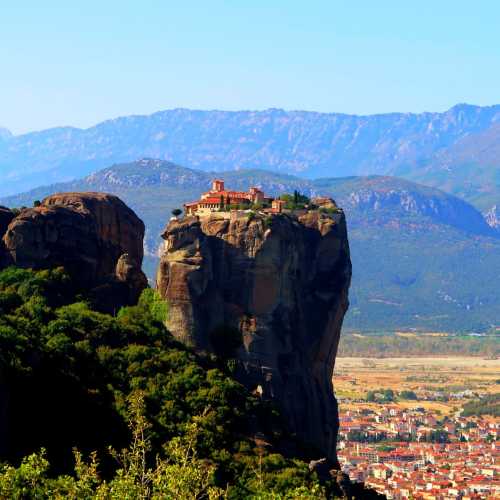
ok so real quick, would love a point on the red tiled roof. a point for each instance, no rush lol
(231, 194)
(210, 200)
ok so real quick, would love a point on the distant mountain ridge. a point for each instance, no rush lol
(470, 168)
(5, 134)
(308, 144)
(422, 259)
(364, 194)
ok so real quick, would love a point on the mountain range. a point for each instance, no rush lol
(456, 151)
(422, 259)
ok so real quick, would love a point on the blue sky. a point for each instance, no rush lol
(63, 64)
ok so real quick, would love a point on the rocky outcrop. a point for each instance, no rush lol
(94, 236)
(6, 216)
(492, 217)
(270, 291)
(435, 205)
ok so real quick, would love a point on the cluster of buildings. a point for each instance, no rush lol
(220, 199)
(413, 454)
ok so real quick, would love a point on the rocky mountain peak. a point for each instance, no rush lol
(492, 217)
(383, 194)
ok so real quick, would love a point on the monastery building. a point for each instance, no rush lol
(219, 199)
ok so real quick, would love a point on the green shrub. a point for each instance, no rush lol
(295, 201)
(329, 211)
(408, 395)
(156, 306)
(488, 405)
(267, 222)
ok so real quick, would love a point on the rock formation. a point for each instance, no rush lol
(270, 291)
(94, 236)
(492, 217)
(6, 216)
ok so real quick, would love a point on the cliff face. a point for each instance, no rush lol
(492, 217)
(272, 292)
(94, 236)
(6, 217)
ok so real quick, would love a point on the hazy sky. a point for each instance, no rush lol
(67, 65)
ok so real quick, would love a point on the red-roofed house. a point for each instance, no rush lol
(218, 198)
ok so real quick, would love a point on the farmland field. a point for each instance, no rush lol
(439, 383)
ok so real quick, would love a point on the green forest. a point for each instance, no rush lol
(391, 345)
(487, 405)
(100, 406)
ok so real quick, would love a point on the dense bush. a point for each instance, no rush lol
(381, 396)
(390, 345)
(488, 405)
(295, 201)
(68, 375)
(408, 395)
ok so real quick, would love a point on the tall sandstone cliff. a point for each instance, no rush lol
(276, 289)
(94, 236)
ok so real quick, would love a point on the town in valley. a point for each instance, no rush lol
(410, 428)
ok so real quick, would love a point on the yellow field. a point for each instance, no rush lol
(466, 362)
(353, 377)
